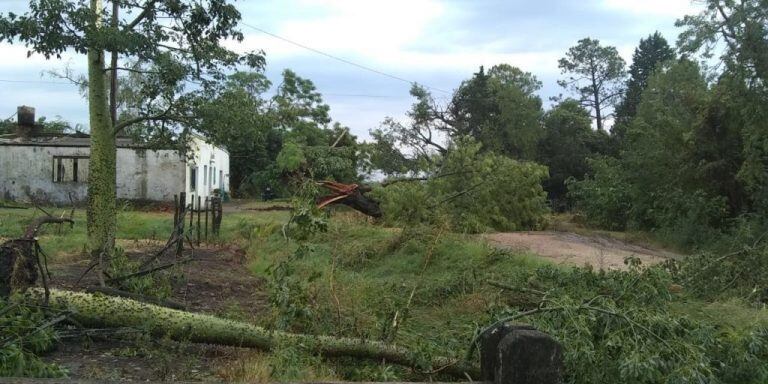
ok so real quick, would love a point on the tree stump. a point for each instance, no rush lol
(519, 354)
(18, 266)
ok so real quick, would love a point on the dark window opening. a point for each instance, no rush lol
(192, 178)
(70, 169)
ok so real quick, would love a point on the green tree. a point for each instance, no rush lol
(595, 74)
(662, 181)
(648, 57)
(299, 110)
(236, 116)
(174, 42)
(738, 30)
(499, 109)
(567, 143)
(741, 25)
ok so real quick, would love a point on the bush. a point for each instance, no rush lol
(604, 197)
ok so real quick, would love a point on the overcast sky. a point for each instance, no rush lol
(437, 43)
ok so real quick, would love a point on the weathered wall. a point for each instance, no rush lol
(141, 174)
(207, 159)
(149, 174)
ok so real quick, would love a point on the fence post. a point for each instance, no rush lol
(207, 199)
(198, 220)
(519, 354)
(175, 211)
(191, 213)
(216, 213)
(181, 207)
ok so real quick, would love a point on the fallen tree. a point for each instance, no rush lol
(113, 312)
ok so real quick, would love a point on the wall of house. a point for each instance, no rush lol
(149, 174)
(30, 172)
(210, 166)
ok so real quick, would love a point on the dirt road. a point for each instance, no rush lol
(570, 248)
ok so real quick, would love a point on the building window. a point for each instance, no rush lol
(192, 178)
(213, 176)
(70, 169)
(205, 175)
(221, 179)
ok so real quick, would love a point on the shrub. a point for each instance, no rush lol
(471, 192)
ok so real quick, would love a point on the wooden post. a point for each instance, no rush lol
(175, 211)
(198, 220)
(191, 212)
(181, 208)
(216, 212)
(206, 218)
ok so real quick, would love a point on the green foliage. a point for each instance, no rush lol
(471, 192)
(289, 294)
(568, 142)
(737, 30)
(271, 138)
(158, 284)
(649, 56)
(290, 158)
(499, 109)
(734, 265)
(617, 327)
(604, 198)
(661, 180)
(23, 338)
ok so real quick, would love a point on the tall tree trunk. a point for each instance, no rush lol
(101, 178)
(596, 96)
(113, 72)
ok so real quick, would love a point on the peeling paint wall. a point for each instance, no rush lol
(29, 172)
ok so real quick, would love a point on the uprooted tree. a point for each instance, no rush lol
(438, 168)
(20, 258)
(171, 43)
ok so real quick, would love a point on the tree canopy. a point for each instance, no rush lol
(595, 74)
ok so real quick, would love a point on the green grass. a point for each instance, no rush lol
(65, 243)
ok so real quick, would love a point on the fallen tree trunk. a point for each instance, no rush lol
(114, 312)
(135, 296)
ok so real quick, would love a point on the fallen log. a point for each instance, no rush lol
(135, 296)
(99, 311)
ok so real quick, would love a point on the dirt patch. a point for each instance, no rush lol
(214, 282)
(217, 282)
(570, 248)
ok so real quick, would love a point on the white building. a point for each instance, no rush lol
(51, 168)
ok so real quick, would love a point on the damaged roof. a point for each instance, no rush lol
(62, 140)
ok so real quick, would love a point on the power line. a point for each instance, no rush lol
(341, 59)
(361, 95)
(35, 81)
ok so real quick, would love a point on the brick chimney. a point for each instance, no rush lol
(25, 126)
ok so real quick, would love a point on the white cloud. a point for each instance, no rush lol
(676, 8)
(15, 57)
